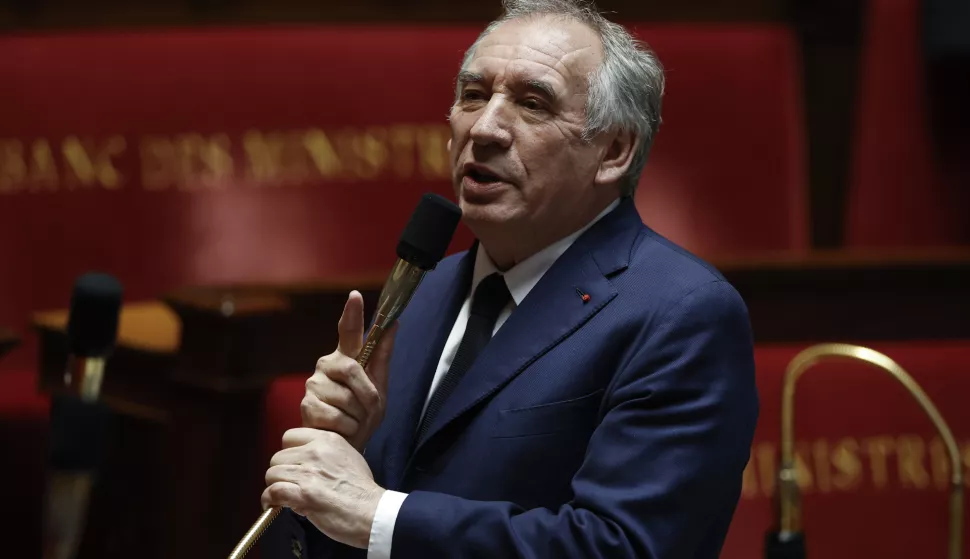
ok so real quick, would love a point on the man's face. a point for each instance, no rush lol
(516, 150)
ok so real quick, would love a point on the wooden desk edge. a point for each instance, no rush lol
(150, 327)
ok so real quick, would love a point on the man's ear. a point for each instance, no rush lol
(617, 159)
(448, 145)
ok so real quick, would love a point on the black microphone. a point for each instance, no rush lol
(422, 245)
(78, 420)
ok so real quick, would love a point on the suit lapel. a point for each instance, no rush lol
(433, 317)
(553, 310)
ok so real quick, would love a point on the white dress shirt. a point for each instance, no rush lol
(520, 279)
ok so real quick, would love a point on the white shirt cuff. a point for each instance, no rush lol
(382, 530)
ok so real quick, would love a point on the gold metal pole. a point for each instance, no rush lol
(789, 496)
(249, 539)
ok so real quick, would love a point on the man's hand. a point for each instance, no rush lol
(320, 476)
(341, 396)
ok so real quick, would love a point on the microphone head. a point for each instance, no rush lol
(92, 325)
(428, 234)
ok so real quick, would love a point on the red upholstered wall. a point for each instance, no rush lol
(179, 157)
(728, 173)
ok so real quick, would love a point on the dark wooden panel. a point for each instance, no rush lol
(844, 297)
(830, 33)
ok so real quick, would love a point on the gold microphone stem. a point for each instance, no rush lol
(84, 376)
(270, 514)
(397, 292)
(790, 507)
(247, 541)
(373, 337)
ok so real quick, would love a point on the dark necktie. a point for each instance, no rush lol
(490, 298)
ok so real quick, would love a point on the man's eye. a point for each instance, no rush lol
(533, 104)
(472, 96)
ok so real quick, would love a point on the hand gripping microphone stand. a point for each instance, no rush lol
(421, 246)
(789, 541)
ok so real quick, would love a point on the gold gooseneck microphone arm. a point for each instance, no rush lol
(397, 292)
(789, 496)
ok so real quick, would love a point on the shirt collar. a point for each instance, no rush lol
(522, 277)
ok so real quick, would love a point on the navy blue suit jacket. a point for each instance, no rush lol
(609, 428)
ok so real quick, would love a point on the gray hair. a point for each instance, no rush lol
(624, 93)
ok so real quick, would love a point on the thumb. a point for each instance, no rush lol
(350, 328)
(380, 360)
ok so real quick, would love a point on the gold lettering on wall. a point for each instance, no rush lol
(895, 463)
(749, 481)
(847, 464)
(910, 454)
(401, 142)
(264, 155)
(91, 163)
(768, 467)
(939, 464)
(13, 168)
(821, 462)
(433, 149)
(42, 168)
(371, 150)
(194, 161)
(157, 163)
(878, 449)
(322, 154)
(275, 158)
(803, 474)
(187, 162)
(203, 162)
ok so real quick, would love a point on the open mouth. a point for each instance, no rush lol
(482, 177)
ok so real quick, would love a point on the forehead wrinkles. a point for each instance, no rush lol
(522, 61)
(551, 55)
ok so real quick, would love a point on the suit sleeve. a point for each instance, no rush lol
(662, 475)
(291, 536)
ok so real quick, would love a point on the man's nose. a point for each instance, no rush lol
(494, 123)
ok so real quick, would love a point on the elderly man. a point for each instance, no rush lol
(574, 385)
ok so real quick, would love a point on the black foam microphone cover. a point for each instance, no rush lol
(427, 235)
(92, 325)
